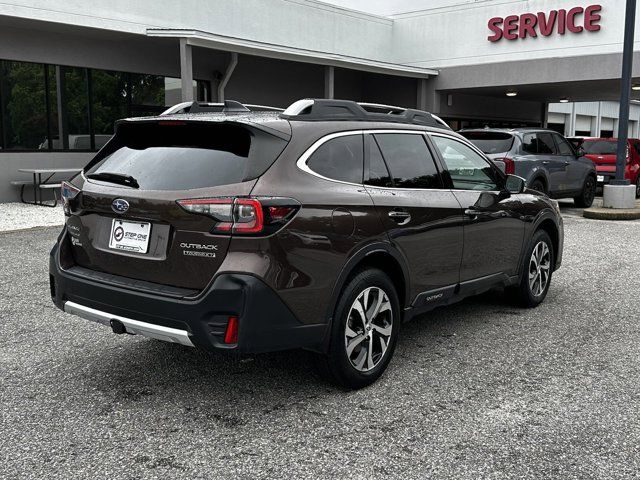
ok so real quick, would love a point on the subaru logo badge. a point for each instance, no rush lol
(119, 205)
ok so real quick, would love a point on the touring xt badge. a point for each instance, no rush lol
(199, 250)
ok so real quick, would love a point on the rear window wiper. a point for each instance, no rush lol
(119, 178)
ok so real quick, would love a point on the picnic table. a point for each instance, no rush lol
(42, 181)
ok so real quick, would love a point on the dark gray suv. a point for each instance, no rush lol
(544, 158)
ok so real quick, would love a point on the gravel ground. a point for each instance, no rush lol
(20, 216)
(476, 390)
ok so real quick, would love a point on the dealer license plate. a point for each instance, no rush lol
(600, 178)
(129, 236)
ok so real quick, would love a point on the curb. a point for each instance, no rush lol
(612, 213)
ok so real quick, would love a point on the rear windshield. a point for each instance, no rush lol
(600, 147)
(490, 142)
(183, 156)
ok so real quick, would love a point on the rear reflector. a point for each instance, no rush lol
(231, 333)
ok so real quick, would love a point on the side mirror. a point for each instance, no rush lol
(515, 184)
(580, 152)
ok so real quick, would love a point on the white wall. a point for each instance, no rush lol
(11, 162)
(593, 117)
(457, 35)
(305, 24)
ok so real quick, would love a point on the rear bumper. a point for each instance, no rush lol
(265, 322)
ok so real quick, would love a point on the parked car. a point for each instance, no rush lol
(544, 158)
(602, 151)
(322, 227)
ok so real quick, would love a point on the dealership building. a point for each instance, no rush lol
(68, 70)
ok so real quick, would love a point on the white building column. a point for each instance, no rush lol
(186, 71)
(570, 128)
(329, 82)
(428, 98)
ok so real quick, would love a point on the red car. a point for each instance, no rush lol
(602, 151)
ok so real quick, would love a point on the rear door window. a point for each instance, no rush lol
(340, 159)
(379, 175)
(184, 156)
(490, 142)
(410, 162)
(540, 143)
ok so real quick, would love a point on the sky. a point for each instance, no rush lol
(390, 7)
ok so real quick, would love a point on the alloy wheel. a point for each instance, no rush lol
(539, 268)
(368, 329)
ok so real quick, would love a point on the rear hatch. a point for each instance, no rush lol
(496, 145)
(602, 152)
(140, 212)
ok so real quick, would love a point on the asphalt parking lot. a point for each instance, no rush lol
(477, 390)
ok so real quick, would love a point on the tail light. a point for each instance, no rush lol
(68, 193)
(509, 166)
(244, 215)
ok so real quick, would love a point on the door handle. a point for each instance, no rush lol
(470, 212)
(400, 216)
(545, 162)
(567, 162)
(473, 213)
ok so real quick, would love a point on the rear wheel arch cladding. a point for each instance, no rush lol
(373, 257)
(551, 228)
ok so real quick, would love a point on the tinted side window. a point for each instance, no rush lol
(468, 169)
(378, 173)
(340, 158)
(538, 143)
(529, 143)
(545, 144)
(563, 146)
(410, 163)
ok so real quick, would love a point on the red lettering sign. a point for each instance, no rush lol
(574, 20)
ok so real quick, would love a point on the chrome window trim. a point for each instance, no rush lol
(302, 161)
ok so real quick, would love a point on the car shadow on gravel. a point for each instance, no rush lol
(230, 391)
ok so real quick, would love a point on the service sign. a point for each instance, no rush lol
(555, 22)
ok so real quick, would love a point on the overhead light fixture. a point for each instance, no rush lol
(635, 86)
(564, 100)
(511, 93)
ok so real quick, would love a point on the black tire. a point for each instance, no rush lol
(585, 199)
(638, 187)
(336, 365)
(538, 186)
(524, 293)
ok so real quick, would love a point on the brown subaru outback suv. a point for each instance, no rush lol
(323, 227)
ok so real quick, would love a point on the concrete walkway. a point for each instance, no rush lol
(21, 216)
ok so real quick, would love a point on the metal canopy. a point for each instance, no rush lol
(198, 38)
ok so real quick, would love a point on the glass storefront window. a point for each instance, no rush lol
(109, 102)
(52, 107)
(23, 102)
